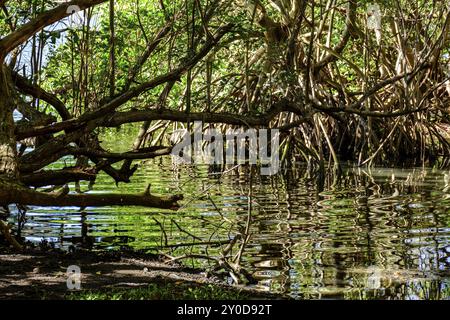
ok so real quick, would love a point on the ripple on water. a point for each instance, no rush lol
(383, 237)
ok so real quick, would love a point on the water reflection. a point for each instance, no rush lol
(379, 233)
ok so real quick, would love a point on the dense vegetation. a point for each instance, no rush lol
(337, 87)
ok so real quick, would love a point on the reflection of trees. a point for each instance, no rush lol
(373, 232)
(310, 243)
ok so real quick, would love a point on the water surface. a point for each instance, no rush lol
(379, 233)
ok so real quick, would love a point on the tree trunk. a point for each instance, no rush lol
(8, 149)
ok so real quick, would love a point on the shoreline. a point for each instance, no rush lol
(42, 275)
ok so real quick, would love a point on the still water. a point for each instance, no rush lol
(379, 233)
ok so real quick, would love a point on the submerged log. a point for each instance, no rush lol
(13, 193)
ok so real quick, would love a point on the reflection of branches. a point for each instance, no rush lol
(185, 231)
(192, 244)
(226, 260)
(205, 191)
(218, 210)
(163, 231)
(246, 233)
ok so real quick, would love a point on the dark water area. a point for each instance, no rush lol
(379, 233)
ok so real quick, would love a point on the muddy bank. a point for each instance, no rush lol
(36, 274)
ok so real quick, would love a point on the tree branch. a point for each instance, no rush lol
(146, 153)
(22, 34)
(26, 87)
(110, 107)
(179, 116)
(350, 26)
(57, 177)
(132, 73)
(14, 193)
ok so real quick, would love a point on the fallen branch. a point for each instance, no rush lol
(14, 193)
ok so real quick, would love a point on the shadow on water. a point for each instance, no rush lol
(379, 233)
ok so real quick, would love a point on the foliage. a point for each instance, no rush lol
(338, 90)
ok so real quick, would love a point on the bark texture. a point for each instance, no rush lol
(8, 152)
